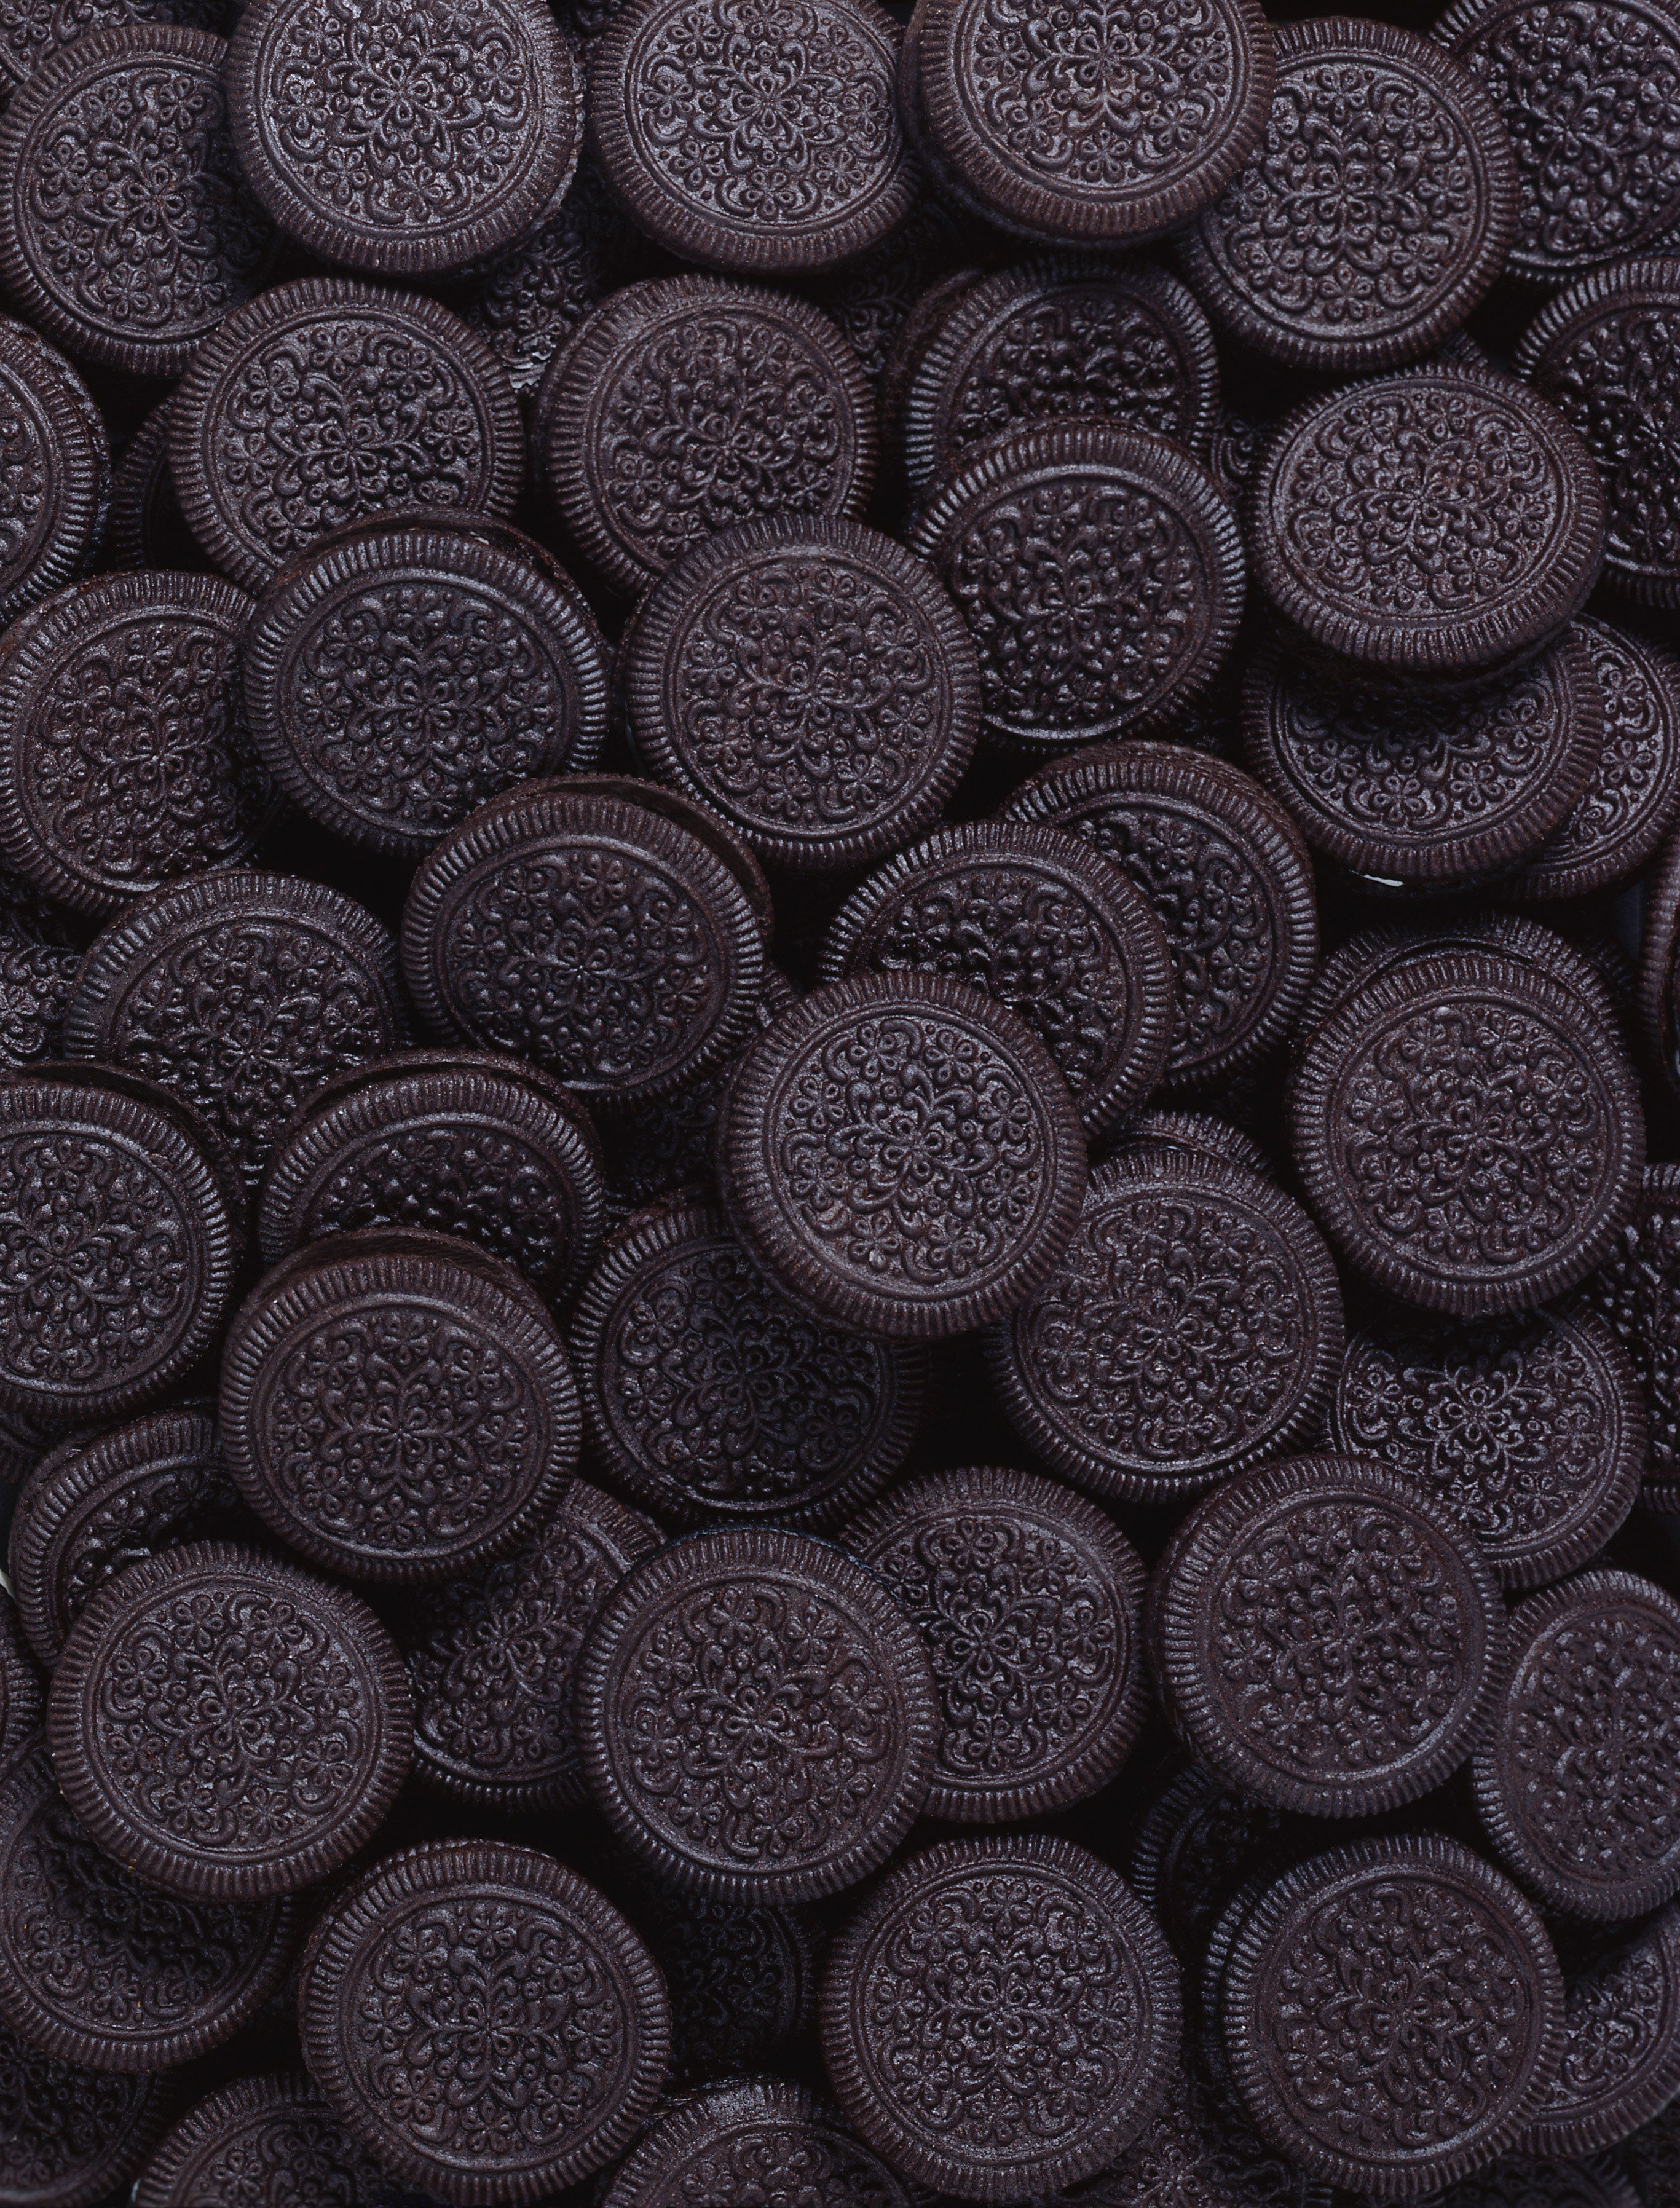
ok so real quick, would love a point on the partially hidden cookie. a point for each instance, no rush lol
(1197, 2153)
(1198, 1842)
(1658, 990)
(258, 2139)
(1527, 2182)
(55, 493)
(1621, 2060)
(147, 527)
(1636, 1290)
(873, 298)
(762, 2135)
(742, 1977)
(68, 2135)
(1203, 1134)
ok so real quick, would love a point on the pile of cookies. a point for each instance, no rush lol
(839, 1037)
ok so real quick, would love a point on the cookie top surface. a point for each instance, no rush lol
(753, 2137)
(35, 30)
(960, 1935)
(262, 2139)
(324, 401)
(759, 1719)
(1193, 1328)
(1621, 2058)
(424, 1974)
(742, 1977)
(1637, 1290)
(1196, 2153)
(900, 1153)
(404, 141)
(71, 2134)
(873, 298)
(55, 474)
(1575, 1782)
(1198, 1842)
(106, 131)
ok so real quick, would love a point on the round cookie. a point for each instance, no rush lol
(1197, 2153)
(1198, 1842)
(1520, 2182)
(67, 2135)
(872, 298)
(255, 2140)
(1202, 1133)
(753, 2135)
(1658, 987)
(1621, 2060)
(54, 487)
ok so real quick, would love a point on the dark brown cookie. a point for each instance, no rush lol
(1376, 210)
(405, 142)
(1029, 1601)
(1228, 877)
(397, 1406)
(147, 528)
(742, 1977)
(1621, 2060)
(264, 2141)
(1440, 523)
(1603, 354)
(240, 993)
(1531, 1429)
(1056, 341)
(754, 2137)
(1043, 922)
(482, 2021)
(712, 1399)
(1200, 1133)
(1196, 2153)
(55, 469)
(323, 401)
(68, 2136)
(1099, 572)
(612, 942)
(1198, 1842)
(900, 1153)
(1658, 990)
(1332, 1959)
(36, 982)
(1327, 1636)
(758, 1717)
(1424, 791)
(1193, 1328)
(953, 1951)
(872, 298)
(1578, 1781)
(684, 406)
(106, 133)
(1637, 1290)
(1467, 1134)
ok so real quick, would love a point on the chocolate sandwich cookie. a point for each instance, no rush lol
(405, 142)
(97, 1503)
(1050, 340)
(1201, 1133)
(67, 2135)
(125, 763)
(1531, 1429)
(1227, 875)
(1603, 354)
(1029, 1601)
(226, 1725)
(1523, 2181)
(953, 1942)
(1193, 1328)
(1442, 523)
(324, 1369)
(1374, 214)
(1084, 130)
(106, 132)
(322, 401)
(763, 142)
(258, 2141)
(742, 1977)
(1198, 1842)
(1467, 1134)
(810, 680)
(1637, 1290)
(56, 491)
(1424, 791)
(900, 1153)
(487, 1147)
(97, 1965)
(1621, 2058)
(398, 678)
(712, 1398)
(753, 2136)
(1196, 2153)
(1576, 1780)
(1417, 1926)
(1099, 572)
(759, 1719)
(122, 1235)
(36, 982)
(240, 993)
(616, 938)
(483, 2022)
(872, 298)
(1327, 1636)
(920, 325)
(147, 528)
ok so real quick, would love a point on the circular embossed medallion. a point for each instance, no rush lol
(1327, 1636)
(1194, 1327)
(1045, 923)
(67, 2135)
(405, 140)
(1000, 2017)
(1442, 522)
(758, 1717)
(757, 2139)
(483, 2021)
(226, 1725)
(97, 1965)
(1224, 870)
(1028, 1599)
(900, 1153)
(760, 136)
(1578, 1782)
(124, 760)
(240, 993)
(685, 406)
(264, 2143)
(1376, 210)
(127, 230)
(397, 1406)
(710, 1398)
(55, 470)
(323, 401)
(1621, 2060)
(811, 680)
(1099, 571)
(1390, 2011)
(1533, 1430)
(147, 528)
(1637, 1290)
(1468, 1134)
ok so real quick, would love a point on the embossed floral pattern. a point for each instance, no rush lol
(150, 1509)
(735, 1976)
(296, 2156)
(35, 27)
(1617, 379)
(530, 295)
(1629, 794)
(59, 2122)
(771, 2165)
(28, 473)
(1195, 2154)
(1082, 352)
(36, 982)
(1617, 2017)
(1638, 1290)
